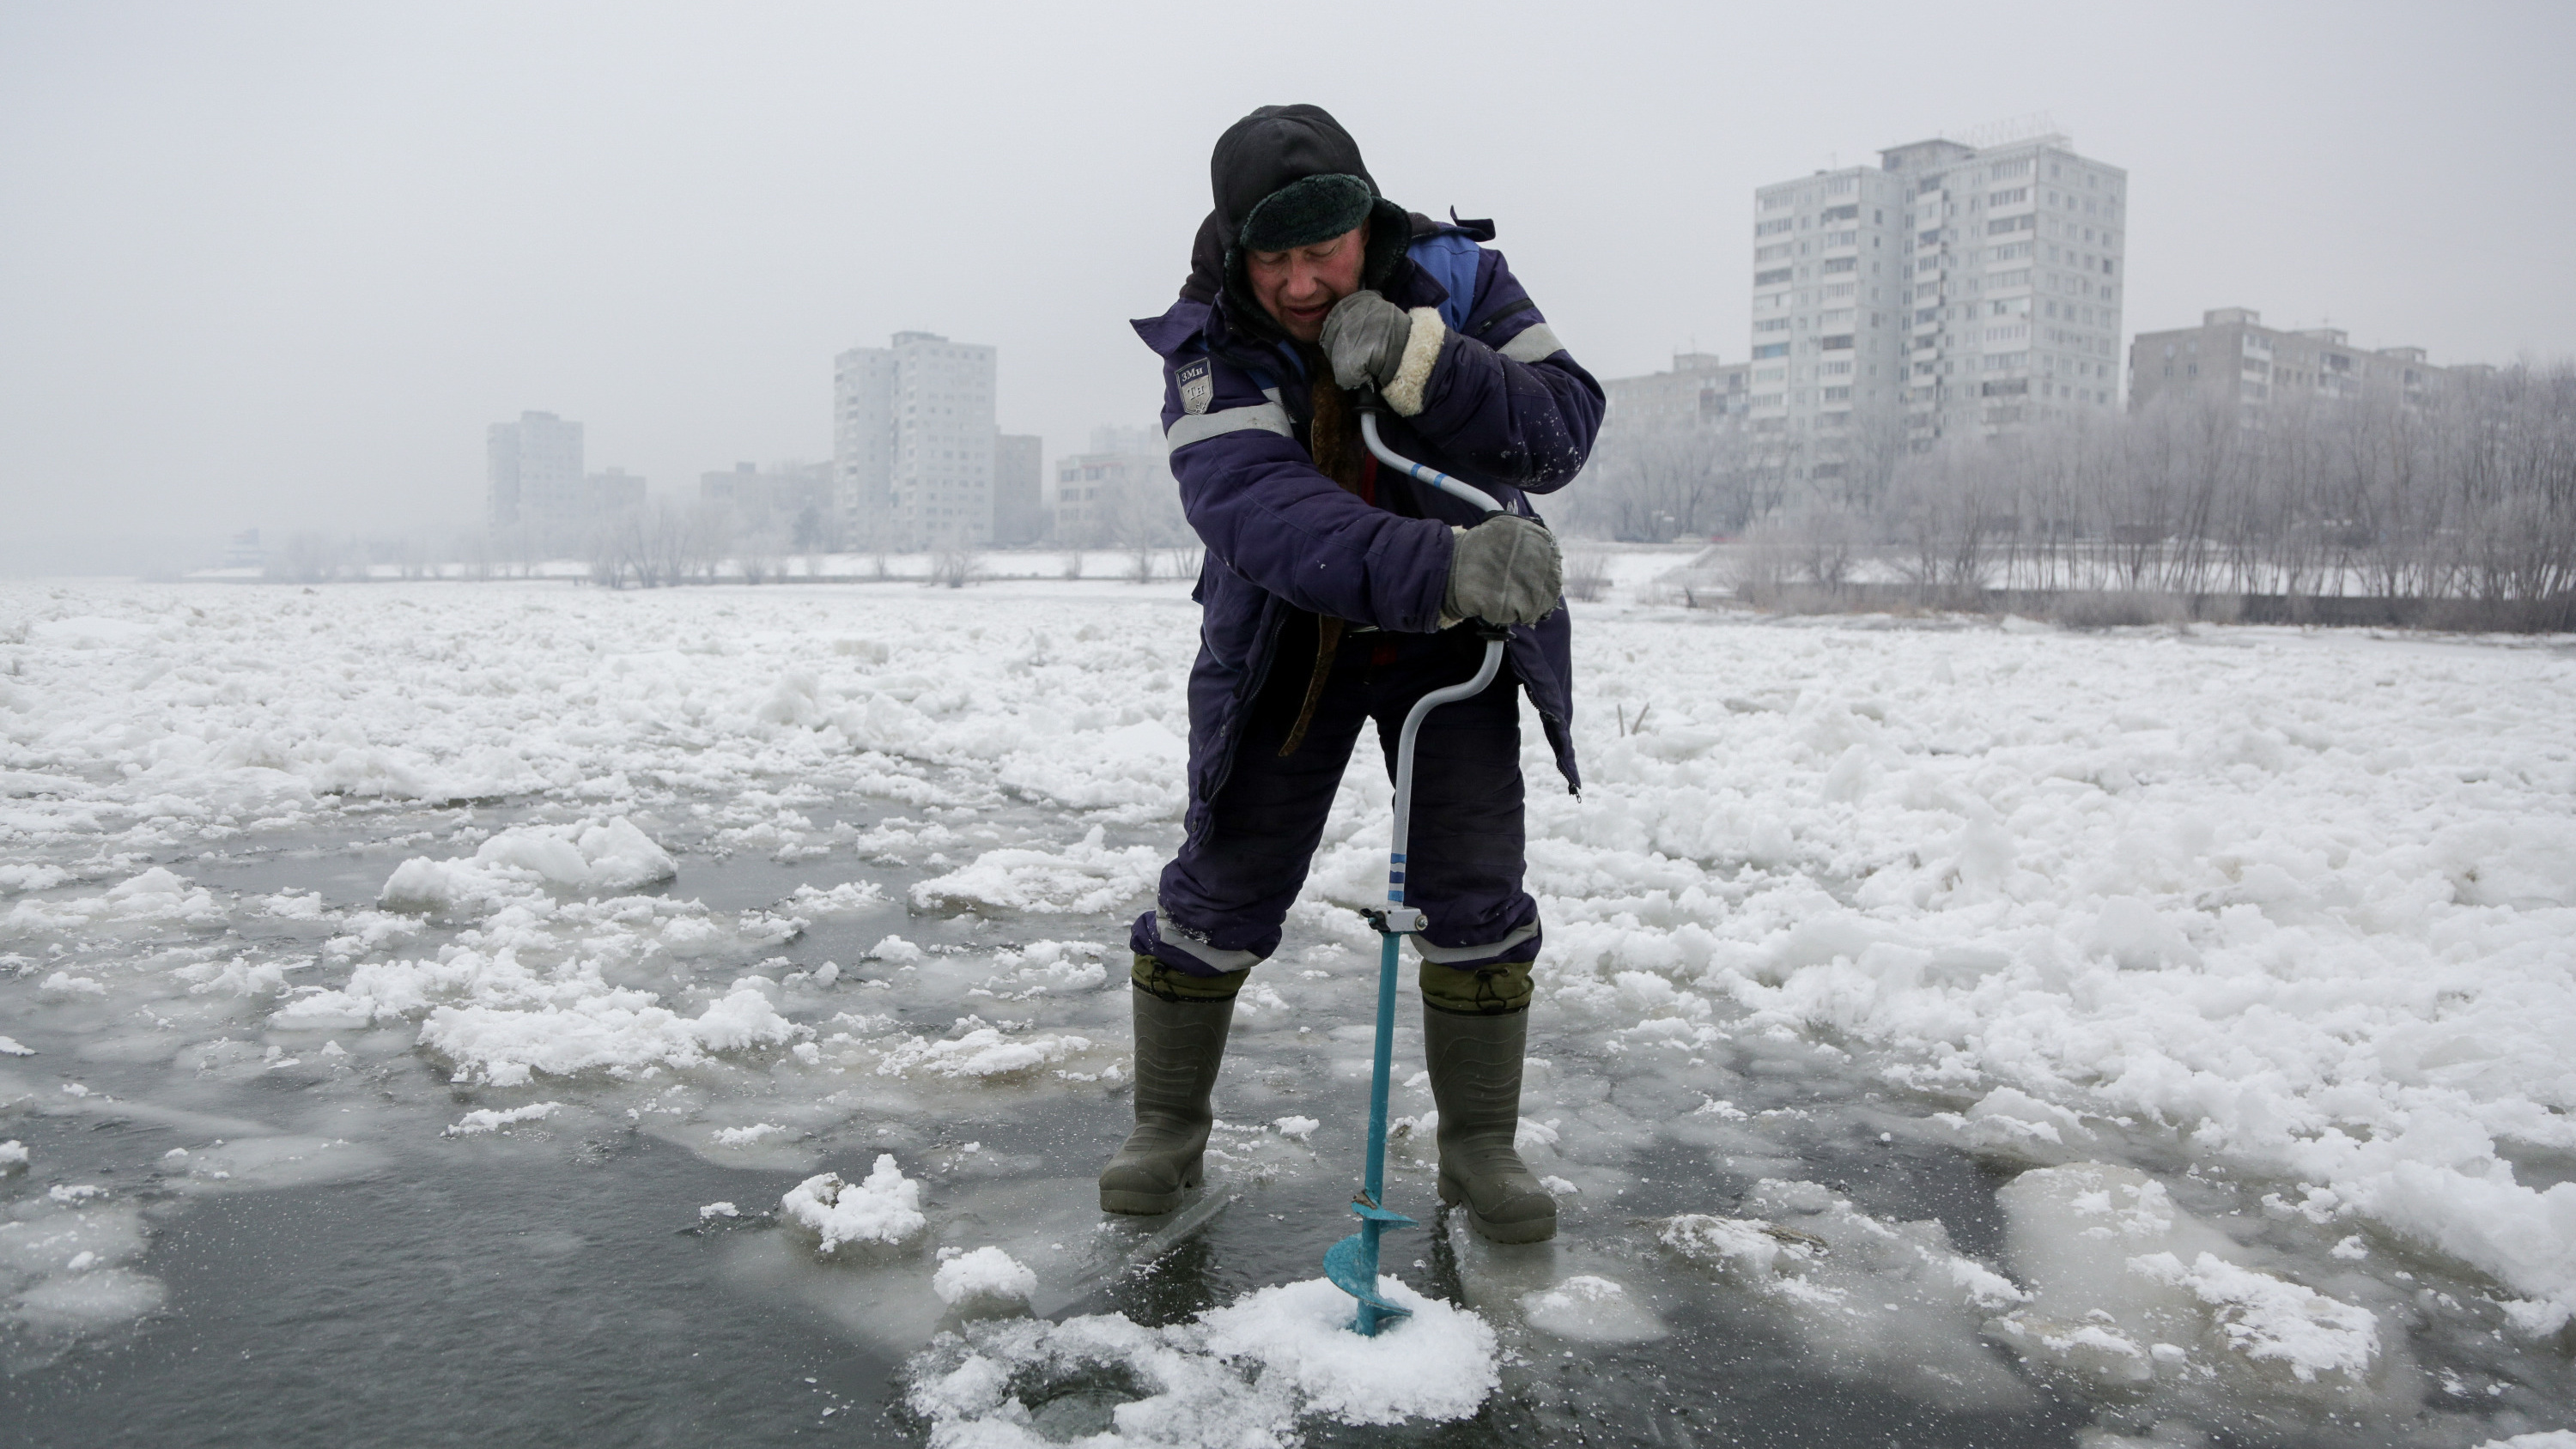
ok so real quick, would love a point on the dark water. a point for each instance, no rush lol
(544, 1296)
(428, 1307)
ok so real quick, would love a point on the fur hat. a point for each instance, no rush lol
(1290, 176)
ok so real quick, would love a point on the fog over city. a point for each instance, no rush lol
(279, 266)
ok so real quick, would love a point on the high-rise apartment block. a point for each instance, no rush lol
(533, 468)
(2231, 356)
(912, 442)
(1950, 291)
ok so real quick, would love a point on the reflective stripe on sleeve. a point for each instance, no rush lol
(1199, 427)
(1534, 343)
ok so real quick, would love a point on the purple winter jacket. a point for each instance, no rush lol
(1506, 408)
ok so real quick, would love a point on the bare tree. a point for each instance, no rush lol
(955, 568)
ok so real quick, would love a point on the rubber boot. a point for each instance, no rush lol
(1179, 1045)
(1475, 1063)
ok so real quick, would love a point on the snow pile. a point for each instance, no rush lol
(1129, 773)
(986, 1281)
(617, 1031)
(1086, 878)
(592, 857)
(1436, 1363)
(157, 899)
(980, 1053)
(747, 1136)
(492, 1119)
(1239, 1375)
(848, 898)
(2130, 1288)
(881, 1212)
(527, 988)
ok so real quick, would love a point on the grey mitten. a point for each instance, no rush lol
(1504, 570)
(1364, 335)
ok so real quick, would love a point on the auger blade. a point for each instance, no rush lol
(1345, 1264)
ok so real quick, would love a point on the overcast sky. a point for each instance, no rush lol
(279, 264)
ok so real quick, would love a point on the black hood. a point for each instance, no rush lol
(1258, 156)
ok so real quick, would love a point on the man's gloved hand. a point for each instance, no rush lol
(1364, 335)
(1504, 570)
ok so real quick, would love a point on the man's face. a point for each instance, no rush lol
(1297, 287)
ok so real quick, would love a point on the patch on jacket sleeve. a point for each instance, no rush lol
(1198, 384)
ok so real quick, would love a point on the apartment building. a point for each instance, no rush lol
(1950, 291)
(1699, 392)
(912, 443)
(533, 474)
(615, 491)
(765, 497)
(1100, 498)
(1019, 512)
(2232, 355)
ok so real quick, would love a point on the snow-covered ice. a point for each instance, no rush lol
(2243, 959)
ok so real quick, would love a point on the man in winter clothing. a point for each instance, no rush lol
(1331, 589)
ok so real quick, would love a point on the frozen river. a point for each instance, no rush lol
(423, 1010)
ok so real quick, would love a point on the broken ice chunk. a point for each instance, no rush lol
(884, 1211)
(986, 1283)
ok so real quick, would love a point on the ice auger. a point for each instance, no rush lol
(1352, 1262)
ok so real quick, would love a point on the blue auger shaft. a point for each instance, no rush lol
(1382, 1069)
